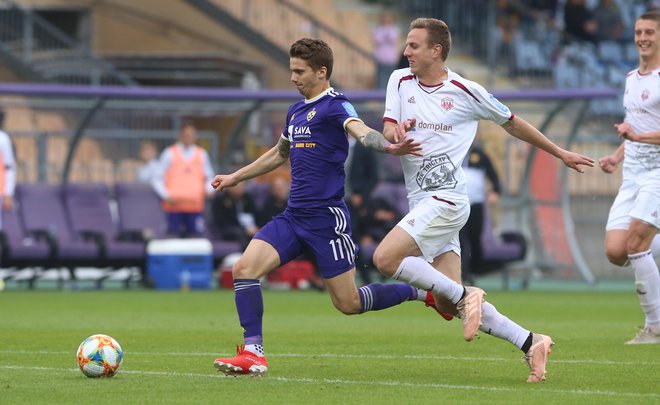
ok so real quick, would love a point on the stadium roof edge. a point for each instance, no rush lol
(238, 94)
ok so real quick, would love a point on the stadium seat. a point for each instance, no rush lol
(43, 213)
(139, 211)
(499, 249)
(529, 57)
(610, 51)
(88, 206)
(23, 251)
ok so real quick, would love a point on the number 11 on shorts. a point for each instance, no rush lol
(337, 246)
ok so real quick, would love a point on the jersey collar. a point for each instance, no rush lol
(326, 91)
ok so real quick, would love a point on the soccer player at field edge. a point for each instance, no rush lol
(316, 219)
(631, 235)
(443, 109)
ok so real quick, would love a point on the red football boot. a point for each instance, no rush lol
(244, 363)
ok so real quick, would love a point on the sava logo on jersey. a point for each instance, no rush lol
(436, 173)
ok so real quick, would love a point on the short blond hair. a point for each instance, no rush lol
(438, 33)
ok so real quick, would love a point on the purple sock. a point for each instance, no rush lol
(374, 297)
(250, 306)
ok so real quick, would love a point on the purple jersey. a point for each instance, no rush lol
(319, 147)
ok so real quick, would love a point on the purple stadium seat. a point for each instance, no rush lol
(88, 206)
(140, 212)
(42, 211)
(499, 249)
(22, 250)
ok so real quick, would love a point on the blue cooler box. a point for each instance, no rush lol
(176, 264)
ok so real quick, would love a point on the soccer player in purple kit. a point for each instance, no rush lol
(316, 219)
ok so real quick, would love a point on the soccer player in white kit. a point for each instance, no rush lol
(443, 110)
(634, 219)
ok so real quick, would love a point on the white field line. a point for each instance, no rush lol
(364, 383)
(362, 356)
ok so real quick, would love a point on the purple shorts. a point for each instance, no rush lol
(185, 224)
(326, 232)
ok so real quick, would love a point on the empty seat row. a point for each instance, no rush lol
(54, 226)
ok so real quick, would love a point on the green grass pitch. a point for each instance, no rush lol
(406, 354)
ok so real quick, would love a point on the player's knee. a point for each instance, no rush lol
(385, 263)
(616, 253)
(616, 256)
(240, 270)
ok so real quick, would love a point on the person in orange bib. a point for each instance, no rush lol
(183, 183)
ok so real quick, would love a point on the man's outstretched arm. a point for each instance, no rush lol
(524, 131)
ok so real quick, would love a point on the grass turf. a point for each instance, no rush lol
(406, 354)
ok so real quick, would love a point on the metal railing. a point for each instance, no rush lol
(51, 55)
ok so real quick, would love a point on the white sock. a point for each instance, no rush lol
(655, 246)
(419, 273)
(421, 295)
(256, 349)
(502, 327)
(647, 283)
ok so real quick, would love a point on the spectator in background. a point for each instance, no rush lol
(276, 201)
(235, 214)
(477, 168)
(183, 183)
(579, 22)
(609, 21)
(362, 175)
(7, 169)
(150, 166)
(386, 47)
(362, 169)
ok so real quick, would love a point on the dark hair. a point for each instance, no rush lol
(437, 33)
(650, 15)
(187, 122)
(315, 52)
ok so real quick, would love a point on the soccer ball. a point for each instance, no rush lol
(100, 356)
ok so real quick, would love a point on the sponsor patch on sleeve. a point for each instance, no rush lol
(350, 110)
(499, 104)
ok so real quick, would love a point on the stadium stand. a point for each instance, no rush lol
(43, 128)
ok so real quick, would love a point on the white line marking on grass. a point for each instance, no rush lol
(362, 356)
(353, 382)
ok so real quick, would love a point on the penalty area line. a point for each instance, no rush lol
(358, 383)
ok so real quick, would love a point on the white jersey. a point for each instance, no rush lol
(447, 116)
(641, 102)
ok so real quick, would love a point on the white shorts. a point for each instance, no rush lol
(638, 198)
(434, 225)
